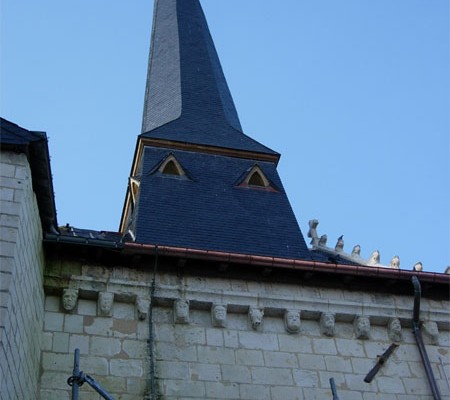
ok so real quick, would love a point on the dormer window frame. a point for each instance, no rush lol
(134, 188)
(167, 163)
(249, 180)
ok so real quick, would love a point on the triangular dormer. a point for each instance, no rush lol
(256, 179)
(170, 166)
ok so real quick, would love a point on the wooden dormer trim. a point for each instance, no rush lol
(198, 148)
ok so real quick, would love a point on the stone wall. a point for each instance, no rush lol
(21, 280)
(200, 354)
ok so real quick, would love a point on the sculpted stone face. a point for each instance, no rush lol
(431, 331)
(69, 299)
(362, 328)
(219, 315)
(105, 303)
(142, 307)
(181, 311)
(292, 321)
(327, 324)
(395, 330)
(256, 317)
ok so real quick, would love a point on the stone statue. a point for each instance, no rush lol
(374, 258)
(219, 315)
(418, 267)
(395, 262)
(181, 311)
(142, 307)
(70, 299)
(105, 303)
(323, 240)
(312, 233)
(362, 327)
(292, 321)
(256, 317)
(395, 330)
(356, 252)
(431, 331)
(340, 244)
(327, 324)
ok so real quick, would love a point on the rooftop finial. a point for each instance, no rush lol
(374, 258)
(395, 262)
(340, 244)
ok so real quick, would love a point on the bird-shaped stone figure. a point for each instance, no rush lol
(340, 244)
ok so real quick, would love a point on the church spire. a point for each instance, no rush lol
(197, 181)
(187, 98)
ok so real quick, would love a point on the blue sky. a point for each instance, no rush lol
(354, 94)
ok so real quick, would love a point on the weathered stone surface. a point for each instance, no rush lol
(195, 359)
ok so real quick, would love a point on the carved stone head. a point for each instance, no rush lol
(181, 311)
(395, 330)
(431, 331)
(219, 315)
(69, 299)
(292, 321)
(362, 327)
(327, 324)
(256, 317)
(142, 307)
(105, 303)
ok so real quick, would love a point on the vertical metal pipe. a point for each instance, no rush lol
(150, 328)
(75, 373)
(333, 389)
(419, 339)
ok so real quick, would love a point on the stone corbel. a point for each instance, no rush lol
(70, 299)
(105, 304)
(219, 315)
(327, 324)
(181, 311)
(361, 327)
(142, 307)
(255, 316)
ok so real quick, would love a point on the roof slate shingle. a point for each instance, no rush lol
(208, 211)
(187, 97)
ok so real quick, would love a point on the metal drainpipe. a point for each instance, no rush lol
(150, 336)
(419, 339)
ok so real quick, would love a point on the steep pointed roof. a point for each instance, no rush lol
(187, 97)
(193, 182)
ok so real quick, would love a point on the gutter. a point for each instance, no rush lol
(55, 238)
(292, 264)
(130, 248)
(418, 335)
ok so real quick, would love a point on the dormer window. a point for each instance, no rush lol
(171, 166)
(134, 189)
(256, 179)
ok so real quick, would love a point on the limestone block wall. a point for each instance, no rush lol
(21, 280)
(201, 355)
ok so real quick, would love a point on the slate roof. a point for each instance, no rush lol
(324, 256)
(187, 97)
(35, 146)
(208, 211)
(14, 135)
